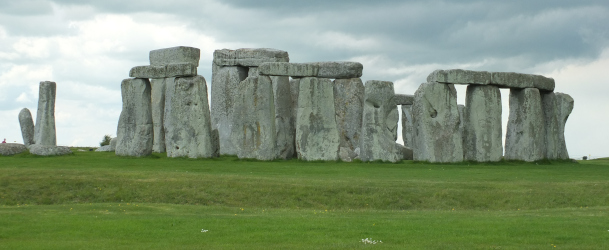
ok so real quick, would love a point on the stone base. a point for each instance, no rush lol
(46, 150)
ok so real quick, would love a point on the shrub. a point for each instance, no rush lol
(106, 140)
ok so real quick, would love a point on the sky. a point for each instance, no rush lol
(88, 47)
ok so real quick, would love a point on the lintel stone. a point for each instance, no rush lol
(249, 57)
(179, 54)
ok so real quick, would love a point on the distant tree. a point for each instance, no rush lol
(106, 140)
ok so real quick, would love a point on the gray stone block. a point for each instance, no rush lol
(106, 148)
(180, 54)
(7, 149)
(44, 130)
(340, 69)
(148, 71)
(249, 57)
(157, 102)
(135, 132)
(113, 142)
(27, 126)
(556, 109)
(401, 99)
(181, 70)
(49, 150)
(289, 69)
(460, 76)
(349, 105)
(252, 71)
(525, 135)
(482, 135)
(285, 119)
(407, 125)
(518, 80)
(346, 154)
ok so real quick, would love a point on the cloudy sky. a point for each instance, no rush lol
(88, 47)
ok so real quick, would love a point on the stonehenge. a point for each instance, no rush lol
(44, 130)
(134, 130)
(525, 135)
(481, 124)
(27, 127)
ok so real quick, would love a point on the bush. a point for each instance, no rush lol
(106, 140)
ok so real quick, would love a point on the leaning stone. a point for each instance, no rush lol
(518, 80)
(379, 123)
(44, 130)
(188, 131)
(285, 120)
(407, 125)
(224, 89)
(135, 132)
(7, 149)
(401, 99)
(106, 148)
(316, 130)
(349, 105)
(113, 143)
(289, 69)
(340, 69)
(249, 57)
(49, 150)
(148, 71)
(157, 102)
(460, 76)
(482, 135)
(180, 54)
(27, 127)
(525, 136)
(436, 136)
(556, 109)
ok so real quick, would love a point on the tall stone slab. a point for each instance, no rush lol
(407, 125)
(436, 123)
(482, 135)
(556, 109)
(285, 120)
(224, 89)
(135, 131)
(349, 105)
(27, 127)
(379, 121)
(461, 109)
(525, 136)
(44, 130)
(187, 121)
(316, 130)
(157, 101)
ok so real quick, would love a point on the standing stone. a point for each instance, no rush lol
(525, 136)
(188, 131)
(285, 121)
(349, 104)
(461, 109)
(27, 127)
(407, 125)
(482, 137)
(380, 120)
(44, 131)
(135, 132)
(556, 109)
(436, 121)
(224, 89)
(157, 101)
(316, 131)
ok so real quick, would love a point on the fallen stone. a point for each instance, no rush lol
(157, 105)
(379, 123)
(224, 89)
(349, 105)
(49, 150)
(401, 99)
(285, 120)
(407, 125)
(249, 57)
(180, 54)
(518, 80)
(7, 149)
(338, 70)
(106, 148)
(316, 130)
(482, 135)
(556, 109)
(135, 132)
(188, 131)
(44, 130)
(525, 136)
(436, 136)
(460, 76)
(27, 127)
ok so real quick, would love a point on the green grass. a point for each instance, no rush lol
(98, 200)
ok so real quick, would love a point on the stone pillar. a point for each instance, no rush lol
(44, 130)
(525, 136)
(158, 110)
(407, 125)
(436, 136)
(482, 136)
(27, 127)
(556, 110)
(224, 89)
(285, 121)
(349, 104)
(316, 130)
(135, 132)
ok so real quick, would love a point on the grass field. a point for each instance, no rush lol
(101, 201)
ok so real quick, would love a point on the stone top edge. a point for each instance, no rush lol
(500, 79)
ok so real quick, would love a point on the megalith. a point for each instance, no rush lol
(285, 120)
(44, 130)
(187, 122)
(482, 135)
(157, 101)
(317, 135)
(135, 131)
(27, 127)
(407, 125)
(556, 109)
(525, 135)
(436, 136)
(348, 105)
(379, 121)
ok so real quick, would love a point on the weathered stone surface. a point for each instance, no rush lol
(482, 135)
(461, 109)
(181, 70)
(316, 130)
(295, 90)
(135, 132)
(289, 69)
(7, 149)
(436, 136)
(106, 148)
(285, 120)
(525, 136)
(157, 102)
(379, 123)
(224, 89)
(27, 127)
(44, 130)
(252, 71)
(113, 142)
(460, 76)
(162, 71)
(556, 110)
(401, 99)
(349, 106)
(188, 131)
(48, 150)
(346, 154)
(180, 54)
(407, 125)
(518, 80)
(249, 57)
(406, 151)
(340, 69)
